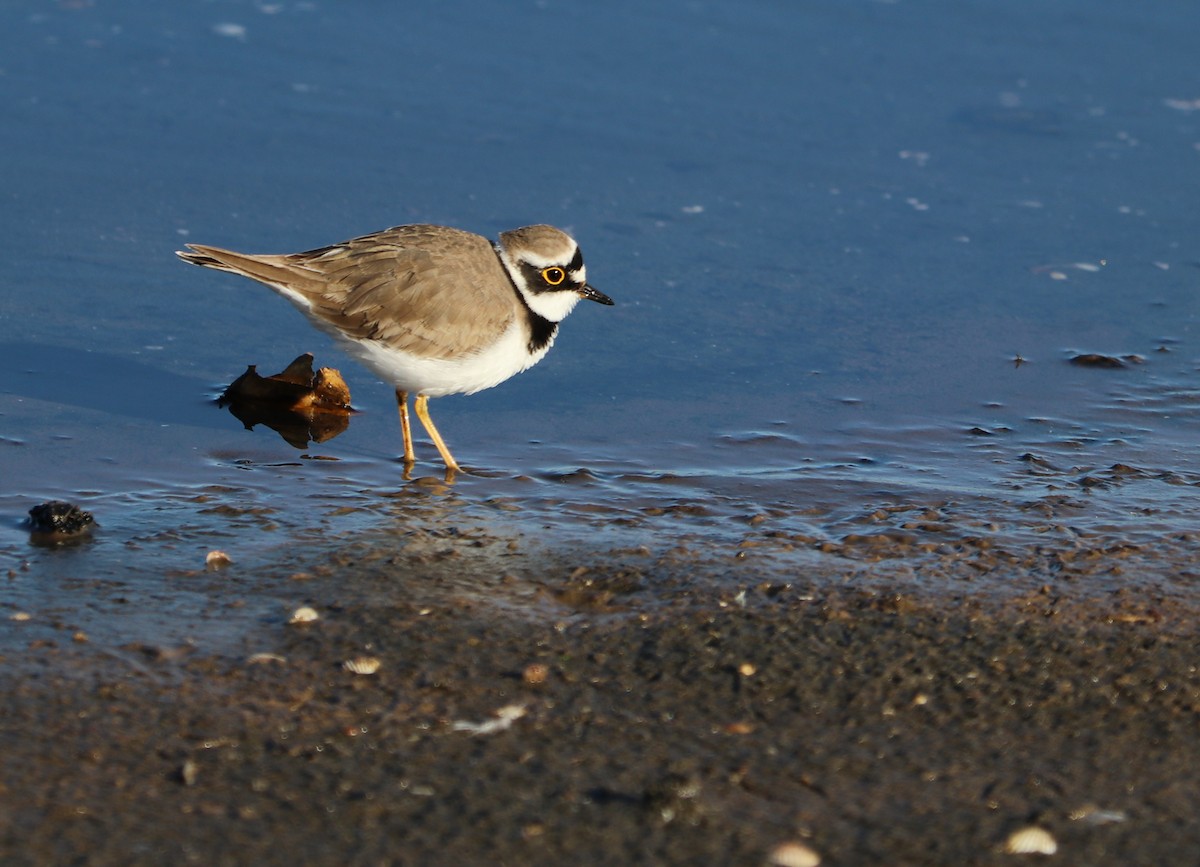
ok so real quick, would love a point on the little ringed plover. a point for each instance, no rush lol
(430, 309)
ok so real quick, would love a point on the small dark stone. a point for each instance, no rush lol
(1093, 359)
(59, 518)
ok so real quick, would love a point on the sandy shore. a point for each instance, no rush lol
(869, 727)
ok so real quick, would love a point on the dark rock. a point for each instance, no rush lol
(58, 518)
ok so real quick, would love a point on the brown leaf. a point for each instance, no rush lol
(295, 388)
(296, 403)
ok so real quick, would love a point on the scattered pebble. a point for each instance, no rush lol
(188, 772)
(746, 669)
(304, 614)
(535, 673)
(217, 560)
(1095, 359)
(20, 616)
(362, 665)
(793, 854)
(505, 717)
(260, 658)
(1031, 841)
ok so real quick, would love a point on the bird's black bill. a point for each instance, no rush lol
(591, 293)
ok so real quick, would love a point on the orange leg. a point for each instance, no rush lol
(410, 456)
(421, 406)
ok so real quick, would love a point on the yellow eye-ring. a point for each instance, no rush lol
(554, 276)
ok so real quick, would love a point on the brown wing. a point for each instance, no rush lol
(392, 286)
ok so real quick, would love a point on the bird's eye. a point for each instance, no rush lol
(554, 276)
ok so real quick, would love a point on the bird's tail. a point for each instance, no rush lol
(197, 254)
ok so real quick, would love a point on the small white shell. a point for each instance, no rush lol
(1031, 841)
(362, 665)
(260, 658)
(304, 614)
(793, 854)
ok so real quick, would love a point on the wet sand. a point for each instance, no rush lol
(599, 723)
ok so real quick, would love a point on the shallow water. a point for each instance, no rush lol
(853, 247)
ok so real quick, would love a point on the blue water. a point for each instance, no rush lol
(853, 246)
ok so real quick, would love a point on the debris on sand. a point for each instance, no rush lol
(296, 403)
(505, 717)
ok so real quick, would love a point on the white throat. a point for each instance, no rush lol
(553, 306)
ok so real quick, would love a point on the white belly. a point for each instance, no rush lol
(437, 377)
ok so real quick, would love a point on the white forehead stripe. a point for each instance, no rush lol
(579, 276)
